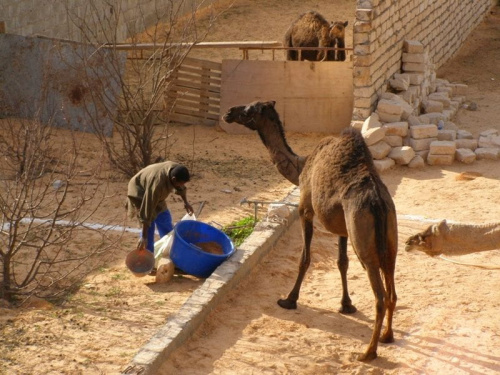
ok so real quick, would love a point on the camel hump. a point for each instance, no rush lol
(312, 18)
(311, 23)
(353, 134)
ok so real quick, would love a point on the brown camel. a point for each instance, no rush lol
(455, 239)
(338, 184)
(311, 29)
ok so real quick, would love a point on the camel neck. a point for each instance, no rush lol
(286, 161)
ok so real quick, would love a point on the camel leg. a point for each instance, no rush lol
(380, 308)
(388, 335)
(343, 264)
(307, 230)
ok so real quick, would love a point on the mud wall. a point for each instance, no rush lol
(119, 19)
(382, 26)
(65, 84)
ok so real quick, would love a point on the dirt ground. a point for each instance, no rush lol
(446, 320)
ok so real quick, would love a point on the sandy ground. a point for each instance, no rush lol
(447, 315)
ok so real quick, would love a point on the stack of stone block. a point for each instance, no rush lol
(488, 145)
(412, 125)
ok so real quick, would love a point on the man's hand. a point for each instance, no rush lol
(188, 208)
(141, 245)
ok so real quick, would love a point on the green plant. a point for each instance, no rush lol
(239, 230)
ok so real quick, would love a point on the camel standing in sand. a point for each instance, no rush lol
(455, 239)
(338, 184)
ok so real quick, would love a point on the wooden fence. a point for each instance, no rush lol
(193, 95)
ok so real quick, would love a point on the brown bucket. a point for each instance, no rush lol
(140, 262)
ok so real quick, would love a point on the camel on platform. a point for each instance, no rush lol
(311, 29)
(340, 186)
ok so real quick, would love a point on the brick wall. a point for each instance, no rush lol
(382, 26)
(57, 18)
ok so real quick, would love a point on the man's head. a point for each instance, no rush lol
(179, 175)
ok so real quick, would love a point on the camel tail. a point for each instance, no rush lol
(380, 215)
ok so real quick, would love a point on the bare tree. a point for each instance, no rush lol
(48, 195)
(144, 74)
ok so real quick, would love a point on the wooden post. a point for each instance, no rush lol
(3, 28)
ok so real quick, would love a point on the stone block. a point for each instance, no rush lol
(374, 135)
(396, 128)
(488, 133)
(448, 125)
(414, 120)
(380, 150)
(423, 154)
(446, 135)
(364, 15)
(460, 89)
(387, 117)
(441, 97)
(464, 134)
(417, 162)
(430, 106)
(487, 153)
(413, 46)
(442, 81)
(362, 27)
(402, 155)
(431, 118)
(384, 164)
(414, 58)
(403, 76)
(389, 107)
(396, 99)
(440, 159)
(464, 155)
(442, 148)
(489, 141)
(421, 144)
(449, 89)
(423, 131)
(416, 78)
(414, 67)
(408, 96)
(470, 144)
(399, 84)
(371, 122)
(448, 114)
(393, 140)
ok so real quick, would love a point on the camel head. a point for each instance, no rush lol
(337, 29)
(263, 118)
(250, 114)
(428, 241)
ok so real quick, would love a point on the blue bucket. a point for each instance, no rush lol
(191, 258)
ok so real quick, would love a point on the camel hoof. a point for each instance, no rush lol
(367, 357)
(387, 338)
(348, 309)
(287, 304)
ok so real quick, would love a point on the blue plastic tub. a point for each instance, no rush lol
(192, 259)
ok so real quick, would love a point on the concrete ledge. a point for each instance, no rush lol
(180, 326)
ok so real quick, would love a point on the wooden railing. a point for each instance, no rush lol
(193, 96)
